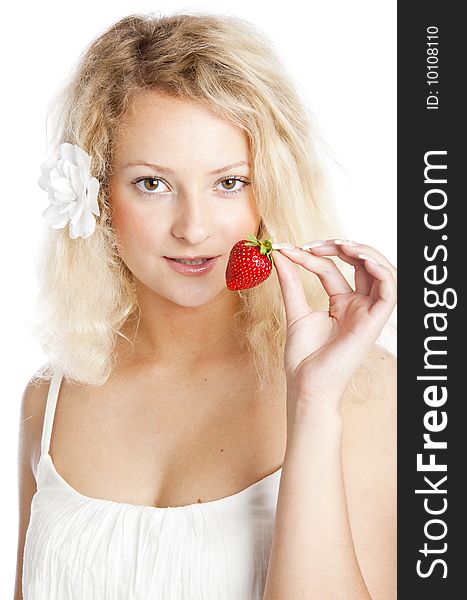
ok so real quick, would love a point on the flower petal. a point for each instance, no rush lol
(92, 192)
(63, 168)
(46, 168)
(72, 191)
(75, 211)
(83, 162)
(43, 181)
(63, 208)
(88, 225)
(76, 182)
(49, 212)
(59, 183)
(74, 232)
(64, 197)
(67, 152)
(59, 221)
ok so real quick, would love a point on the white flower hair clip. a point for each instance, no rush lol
(72, 191)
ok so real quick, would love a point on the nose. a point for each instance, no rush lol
(192, 220)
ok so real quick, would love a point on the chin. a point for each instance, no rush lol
(197, 298)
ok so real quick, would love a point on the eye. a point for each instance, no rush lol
(149, 185)
(230, 185)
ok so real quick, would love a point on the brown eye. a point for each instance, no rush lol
(151, 184)
(230, 183)
(230, 187)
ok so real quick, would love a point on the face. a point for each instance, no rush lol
(177, 191)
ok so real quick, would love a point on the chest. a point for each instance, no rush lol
(167, 440)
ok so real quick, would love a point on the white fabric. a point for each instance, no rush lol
(78, 547)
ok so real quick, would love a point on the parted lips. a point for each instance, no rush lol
(250, 263)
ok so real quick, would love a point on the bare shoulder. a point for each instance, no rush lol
(32, 409)
(369, 457)
(373, 387)
(369, 411)
(33, 403)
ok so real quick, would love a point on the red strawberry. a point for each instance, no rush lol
(249, 264)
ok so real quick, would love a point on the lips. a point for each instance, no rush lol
(186, 269)
(190, 257)
(191, 261)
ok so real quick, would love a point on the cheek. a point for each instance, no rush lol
(134, 231)
(240, 223)
(253, 215)
(121, 213)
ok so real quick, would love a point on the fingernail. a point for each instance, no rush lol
(282, 245)
(313, 244)
(294, 251)
(345, 242)
(365, 257)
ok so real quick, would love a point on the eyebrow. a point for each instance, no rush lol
(163, 169)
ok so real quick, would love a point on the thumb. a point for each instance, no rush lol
(296, 304)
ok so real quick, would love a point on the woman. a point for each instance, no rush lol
(185, 440)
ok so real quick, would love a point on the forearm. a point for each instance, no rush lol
(312, 554)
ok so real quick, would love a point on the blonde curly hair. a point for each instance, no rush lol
(86, 292)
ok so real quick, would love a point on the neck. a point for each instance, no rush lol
(166, 333)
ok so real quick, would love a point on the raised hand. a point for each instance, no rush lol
(324, 348)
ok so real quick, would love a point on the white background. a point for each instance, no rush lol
(342, 56)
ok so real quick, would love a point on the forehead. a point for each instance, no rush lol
(157, 125)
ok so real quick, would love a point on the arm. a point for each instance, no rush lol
(341, 541)
(321, 505)
(369, 458)
(312, 553)
(29, 434)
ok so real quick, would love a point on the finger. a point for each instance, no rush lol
(293, 293)
(354, 249)
(327, 271)
(363, 280)
(372, 253)
(384, 290)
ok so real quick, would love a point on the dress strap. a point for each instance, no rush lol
(50, 410)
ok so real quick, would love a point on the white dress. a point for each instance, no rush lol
(78, 547)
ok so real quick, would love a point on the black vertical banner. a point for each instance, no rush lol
(432, 349)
